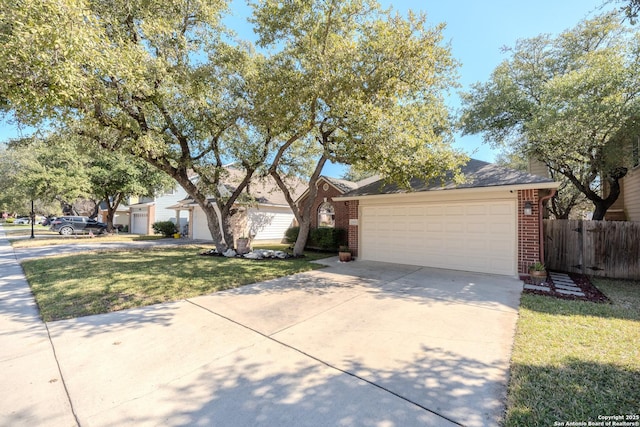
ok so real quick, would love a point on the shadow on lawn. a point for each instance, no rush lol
(576, 391)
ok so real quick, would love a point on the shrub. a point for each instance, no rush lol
(326, 238)
(166, 228)
(291, 235)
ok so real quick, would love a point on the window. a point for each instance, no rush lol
(326, 215)
(635, 151)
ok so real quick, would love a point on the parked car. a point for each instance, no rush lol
(23, 220)
(48, 220)
(67, 225)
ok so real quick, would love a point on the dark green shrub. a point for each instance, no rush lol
(166, 228)
(291, 235)
(326, 238)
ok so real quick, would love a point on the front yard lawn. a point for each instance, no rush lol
(100, 282)
(574, 361)
(50, 238)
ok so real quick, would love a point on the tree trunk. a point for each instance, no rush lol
(602, 205)
(303, 235)
(600, 211)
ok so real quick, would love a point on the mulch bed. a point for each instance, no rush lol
(591, 293)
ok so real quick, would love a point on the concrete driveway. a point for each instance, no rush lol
(358, 344)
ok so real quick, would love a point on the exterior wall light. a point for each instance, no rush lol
(528, 208)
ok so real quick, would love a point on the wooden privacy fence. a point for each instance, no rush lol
(597, 248)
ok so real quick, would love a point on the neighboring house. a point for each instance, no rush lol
(150, 210)
(490, 224)
(627, 207)
(122, 216)
(263, 213)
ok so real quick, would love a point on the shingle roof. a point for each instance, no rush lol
(263, 190)
(477, 173)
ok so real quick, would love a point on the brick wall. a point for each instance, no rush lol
(352, 206)
(340, 208)
(528, 231)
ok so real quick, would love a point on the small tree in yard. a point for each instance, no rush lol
(572, 102)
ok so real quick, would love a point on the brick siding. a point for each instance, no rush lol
(528, 231)
(340, 208)
(353, 229)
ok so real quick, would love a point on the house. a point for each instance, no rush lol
(492, 223)
(149, 210)
(263, 213)
(627, 207)
(121, 217)
(327, 211)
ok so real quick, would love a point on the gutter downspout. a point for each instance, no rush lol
(541, 236)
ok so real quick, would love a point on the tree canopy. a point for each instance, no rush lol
(162, 79)
(570, 101)
(357, 85)
(58, 169)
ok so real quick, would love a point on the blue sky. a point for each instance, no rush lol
(476, 30)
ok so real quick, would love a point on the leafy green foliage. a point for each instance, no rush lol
(339, 80)
(60, 168)
(166, 228)
(354, 84)
(292, 234)
(571, 102)
(326, 238)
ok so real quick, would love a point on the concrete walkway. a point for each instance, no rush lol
(358, 344)
(33, 393)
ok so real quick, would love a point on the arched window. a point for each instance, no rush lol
(326, 215)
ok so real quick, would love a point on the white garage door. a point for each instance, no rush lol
(468, 236)
(139, 223)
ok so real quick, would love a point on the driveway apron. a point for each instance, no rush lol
(357, 344)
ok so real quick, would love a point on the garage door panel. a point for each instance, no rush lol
(456, 210)
(501, 209)
(476, 236)
(499, 229)
(476, 210)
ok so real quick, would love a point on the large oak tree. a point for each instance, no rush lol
(571, 101)
(351, 83)
(335, 80)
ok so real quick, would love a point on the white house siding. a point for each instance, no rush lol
(265, 223)
(169, 199)
(269, 223)
(443, 230)
(631, 188)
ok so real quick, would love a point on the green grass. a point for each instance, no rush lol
(575, 360)
(100, 282)
(51, 239)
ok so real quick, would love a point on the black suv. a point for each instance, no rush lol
(67, 225)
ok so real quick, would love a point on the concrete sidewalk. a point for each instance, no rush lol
(355, 344)
(33, 392)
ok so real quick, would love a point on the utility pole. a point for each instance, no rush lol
(33, 219)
